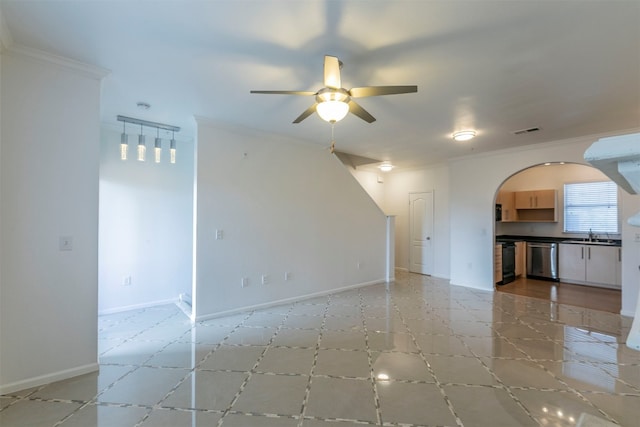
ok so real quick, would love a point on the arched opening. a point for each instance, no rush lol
(540, 253)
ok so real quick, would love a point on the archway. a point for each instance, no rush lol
(530, 227)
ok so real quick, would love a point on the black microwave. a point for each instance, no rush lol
(498, 212)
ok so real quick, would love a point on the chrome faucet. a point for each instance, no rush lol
(592, 236)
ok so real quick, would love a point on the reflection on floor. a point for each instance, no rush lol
(567, 293)
(418, 353)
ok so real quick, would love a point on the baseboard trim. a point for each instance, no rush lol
(48, 378)
(628, 313)
(138, 306)
(492, 289)
(286, 300)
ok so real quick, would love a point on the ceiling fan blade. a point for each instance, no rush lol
(360, 112)
(361, 92)
(332, 72)
(309, 111)
(284, 92)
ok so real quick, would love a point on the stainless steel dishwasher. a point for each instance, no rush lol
(542, 260)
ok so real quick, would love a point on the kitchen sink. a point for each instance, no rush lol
(593, 242)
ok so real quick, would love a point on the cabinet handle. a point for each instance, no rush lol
(589, 250)
(536, 200)
(619, 255)
(530, 201)
(582, 252)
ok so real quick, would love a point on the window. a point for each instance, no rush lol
(591, 206)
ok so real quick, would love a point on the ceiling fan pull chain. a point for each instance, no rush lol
(333, 141)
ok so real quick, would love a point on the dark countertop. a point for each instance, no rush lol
(543, 239)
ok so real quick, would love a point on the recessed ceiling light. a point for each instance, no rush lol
(464, 135)
(547, 164)
(386, 167)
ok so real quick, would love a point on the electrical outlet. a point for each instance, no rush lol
(359, 264)
(219, 234)
(265, 279)
(244, 282)
(287, 275)
(126, 281)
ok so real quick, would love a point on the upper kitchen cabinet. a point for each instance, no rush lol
(507, 200)
(537, 199)
(536, 205)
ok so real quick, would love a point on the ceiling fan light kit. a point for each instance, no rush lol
(332, 111)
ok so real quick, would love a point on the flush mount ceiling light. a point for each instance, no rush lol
(464, 135)
(142, 148)
(386, 167)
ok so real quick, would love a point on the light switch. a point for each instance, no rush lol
(65, 243)
(219, 234)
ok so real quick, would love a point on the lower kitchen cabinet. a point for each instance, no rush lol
(497, 265)
(521, 258)
(590, 265)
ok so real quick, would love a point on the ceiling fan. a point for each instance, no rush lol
(333, 102)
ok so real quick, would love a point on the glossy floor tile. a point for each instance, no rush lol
(418, 352)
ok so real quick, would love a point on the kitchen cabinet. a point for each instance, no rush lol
(590, 264)
(536, 205)
(538, 199)
(619, 269)
(507, 200)
(521, 258)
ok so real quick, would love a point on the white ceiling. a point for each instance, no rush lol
(571, 68)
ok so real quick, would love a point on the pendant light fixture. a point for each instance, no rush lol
(142, 148)
(157, 150)
(124, 142)
(172, 148)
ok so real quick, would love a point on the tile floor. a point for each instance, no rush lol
(420, 353)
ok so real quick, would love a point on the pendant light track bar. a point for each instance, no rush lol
(148, 123)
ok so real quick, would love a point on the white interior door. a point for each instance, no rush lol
(421, 232)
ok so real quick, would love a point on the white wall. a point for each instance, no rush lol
(371, 182)
(48, 189)
(630, 255)
(474, 181)
(398, 185)
(283, 207)
(146, 222)
(2, 47)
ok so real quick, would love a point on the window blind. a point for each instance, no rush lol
(591, 206)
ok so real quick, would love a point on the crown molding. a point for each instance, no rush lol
(87, 70)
